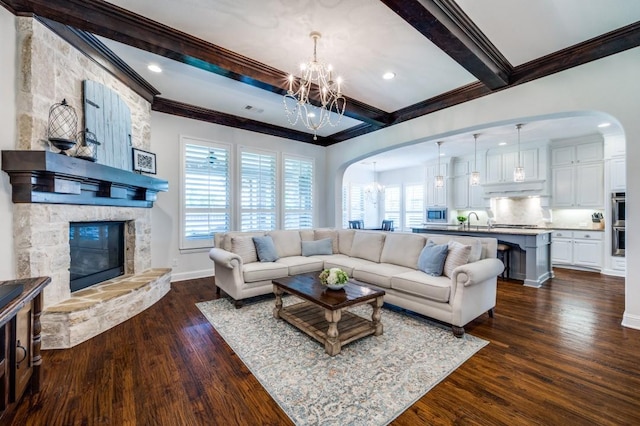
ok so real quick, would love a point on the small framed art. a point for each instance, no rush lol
(143, 161)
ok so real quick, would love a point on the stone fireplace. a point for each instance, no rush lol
(52, 69)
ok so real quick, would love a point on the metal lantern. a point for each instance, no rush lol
(63, 124)
(87, 145)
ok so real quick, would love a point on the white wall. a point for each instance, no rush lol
(165, 217)
(609, 85)
(7, 137)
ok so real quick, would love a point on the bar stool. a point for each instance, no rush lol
(504, 255)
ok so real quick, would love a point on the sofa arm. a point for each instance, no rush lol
(477, 272)
(225, 258)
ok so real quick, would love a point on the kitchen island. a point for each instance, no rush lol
(530, 249)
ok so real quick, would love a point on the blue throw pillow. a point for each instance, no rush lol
(311, 248)
(265, 249)
(432, 258)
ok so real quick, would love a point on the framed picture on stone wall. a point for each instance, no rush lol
(143, 161)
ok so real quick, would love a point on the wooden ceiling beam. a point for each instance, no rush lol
(445, 24)
(181, 109)
(110, 21)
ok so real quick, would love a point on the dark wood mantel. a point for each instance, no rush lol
(47, 177)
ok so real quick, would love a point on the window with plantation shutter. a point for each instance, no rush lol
(392, 205)
(413, 205)
(206, 192)
(356, 202)
(298, 192)
(257, 190)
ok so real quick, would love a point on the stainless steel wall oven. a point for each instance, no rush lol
(617, 223)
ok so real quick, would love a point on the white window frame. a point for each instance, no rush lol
(349, 213)
(187, 243)
(395, 215)
(406, 212)
(275, 188)
(301, 211)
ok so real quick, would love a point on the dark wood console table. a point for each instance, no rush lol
(20, 339)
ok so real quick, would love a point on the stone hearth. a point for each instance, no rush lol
(90, 311)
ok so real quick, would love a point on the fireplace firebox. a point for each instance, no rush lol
(97, 252)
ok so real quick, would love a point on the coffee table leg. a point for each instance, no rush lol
(278, 292)
(376, 315)
(332, 344)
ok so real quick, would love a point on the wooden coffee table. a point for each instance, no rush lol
(323, 316)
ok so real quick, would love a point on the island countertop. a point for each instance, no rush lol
(482, 230)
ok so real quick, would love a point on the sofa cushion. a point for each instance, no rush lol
(458, 255)
(420, 284)
(320, 234)
(262, 271)
(301, 264)
(432, 258)
(265, 249)
(287, 243)
(368, 245)
(227, 236)
(313, 248)
(243, 246)
(346, 263)
(345, 241)
(378, 274)
(475, 243)
(402, 249)
(307, 235)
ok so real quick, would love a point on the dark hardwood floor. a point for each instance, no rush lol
(558, 356)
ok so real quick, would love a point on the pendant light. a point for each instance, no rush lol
(518, 172)
(439, 177)
(475, 175)
(374, 190)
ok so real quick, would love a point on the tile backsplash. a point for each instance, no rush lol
(528, 211)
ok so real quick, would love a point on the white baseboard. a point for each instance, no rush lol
(631, 321)
(613, 272)
(190, 275)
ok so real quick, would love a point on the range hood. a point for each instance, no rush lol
(530, 188)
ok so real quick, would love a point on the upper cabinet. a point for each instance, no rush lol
(577, 174)
(463, 194)
(436, 197)
(500, 165)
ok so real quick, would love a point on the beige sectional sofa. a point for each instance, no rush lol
(388, 260)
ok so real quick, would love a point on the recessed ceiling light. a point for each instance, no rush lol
(154, 68)
(602, 125)
(388, 75)
(502, 143)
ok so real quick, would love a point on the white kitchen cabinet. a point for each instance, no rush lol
(562, 248)
(580, 185)
(500, 165)
(436, 197)
(465, 196)
(581, 249)
(577, 153)
(577, 175)
(617, 174)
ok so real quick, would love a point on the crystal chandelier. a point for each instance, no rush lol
(518, 172)
(439, 177)
(315, 84)
(475, 175)
(374, 190)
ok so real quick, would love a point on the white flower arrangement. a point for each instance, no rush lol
(333, 277)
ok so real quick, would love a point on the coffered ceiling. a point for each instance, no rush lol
(226, 61)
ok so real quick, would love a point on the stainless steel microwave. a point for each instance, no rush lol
(437, 215)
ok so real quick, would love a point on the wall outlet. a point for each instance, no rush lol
(174, 263)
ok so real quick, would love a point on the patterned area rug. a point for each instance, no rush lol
(370, 382)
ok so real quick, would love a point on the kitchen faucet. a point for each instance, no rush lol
(469, 220)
